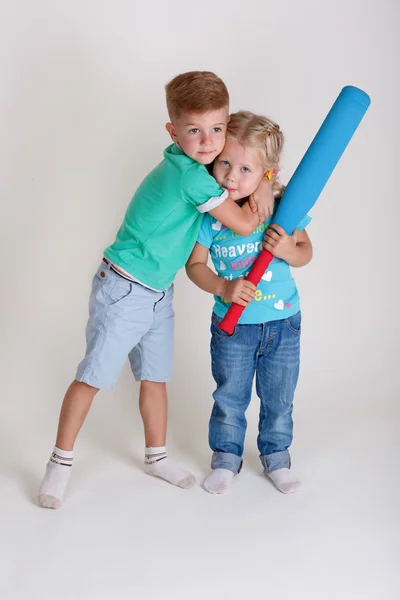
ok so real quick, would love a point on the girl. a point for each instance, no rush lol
(266, 342)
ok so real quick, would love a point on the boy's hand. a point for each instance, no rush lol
(280, 244)
(239, 290)
(262, 200)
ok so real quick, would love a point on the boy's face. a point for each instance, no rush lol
(200, 136)
(238, 169)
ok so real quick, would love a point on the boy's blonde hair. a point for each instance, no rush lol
(195, 91)
(261, 134)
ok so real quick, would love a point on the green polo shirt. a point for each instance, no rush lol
(163, 219)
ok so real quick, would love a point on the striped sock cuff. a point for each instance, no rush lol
(153, 455)
(62, 457)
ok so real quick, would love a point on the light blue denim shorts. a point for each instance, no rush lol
(127, 319)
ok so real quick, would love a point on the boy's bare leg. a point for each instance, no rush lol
(153, 404)
(75, 407)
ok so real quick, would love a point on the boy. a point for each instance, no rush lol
(130, 307)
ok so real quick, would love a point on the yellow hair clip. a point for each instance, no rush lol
(271, 173)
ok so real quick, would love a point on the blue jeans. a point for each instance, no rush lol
(271, 352)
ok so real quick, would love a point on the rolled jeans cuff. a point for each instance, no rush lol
(275, 461)
(226, 460)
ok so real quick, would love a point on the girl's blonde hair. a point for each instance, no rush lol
(261, 134)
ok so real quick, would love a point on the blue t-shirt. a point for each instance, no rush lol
(233, 255)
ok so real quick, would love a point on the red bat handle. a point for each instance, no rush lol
(262, 261)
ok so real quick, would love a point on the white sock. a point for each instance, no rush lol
(55, 481)
(219, 481)
(157, 463)
(285, 481)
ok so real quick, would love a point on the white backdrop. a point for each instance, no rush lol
(82, 116)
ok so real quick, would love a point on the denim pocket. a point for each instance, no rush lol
(294, 323)
(217, 333)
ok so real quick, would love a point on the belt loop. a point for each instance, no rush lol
(107, 262)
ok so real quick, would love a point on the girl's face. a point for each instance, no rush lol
(238, 169)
